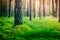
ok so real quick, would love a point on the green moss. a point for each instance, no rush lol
(44, 29)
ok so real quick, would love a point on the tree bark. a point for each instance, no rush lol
(0, 8)
(18, 12)
(34, 9)
(27, 10)
(40, 9)
(49, 7)
(53, 11)
(4, 8)
(56, 2)
(43, 8)
(9, 8)
(59, 10)
(30, 11)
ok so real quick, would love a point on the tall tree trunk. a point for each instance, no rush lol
(0, 8)
(53, 11)
(49, 7)
(4, 8)
(30, 10)
(34, 8)
(18, 12)
(53, 7)
(27, 10)
(44, 8)
(40, 9)
(56, 1)
(9, 8)
(59, 10)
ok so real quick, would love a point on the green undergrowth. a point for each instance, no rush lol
(44, 29)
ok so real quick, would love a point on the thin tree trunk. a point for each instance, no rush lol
(18, 12)
(49, 7)
(40, 9)
(56, 7)
(5, 8)
(34, 9)
(43, 8)
(9, 8)
(59, 10)
(0, 8)
(53, 9)
(27, 10)
(30, 11)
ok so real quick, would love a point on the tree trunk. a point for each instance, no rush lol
(59, 10)
(56, 1)
(9, 8)
(0, 8)
(30, 11)
(18, 12)
(43, 8)
(53, 11)
(27, 10)
(49, 7)
(4, 8)
(40, 9)
(34, 9)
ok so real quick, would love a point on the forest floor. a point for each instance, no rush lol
(45, 29)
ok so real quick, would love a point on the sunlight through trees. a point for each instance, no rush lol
(29, 19)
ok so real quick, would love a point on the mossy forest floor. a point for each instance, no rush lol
(47, 28)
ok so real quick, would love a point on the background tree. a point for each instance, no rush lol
(9, 8)
(30, 9)
(53, 10)
(0, 7)
(49, 7)
(27, 11)
(44, 8)
(4, 7)
(34, 14)
(59, 10)
(40, 9)
(18, 12)
(56, 2)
